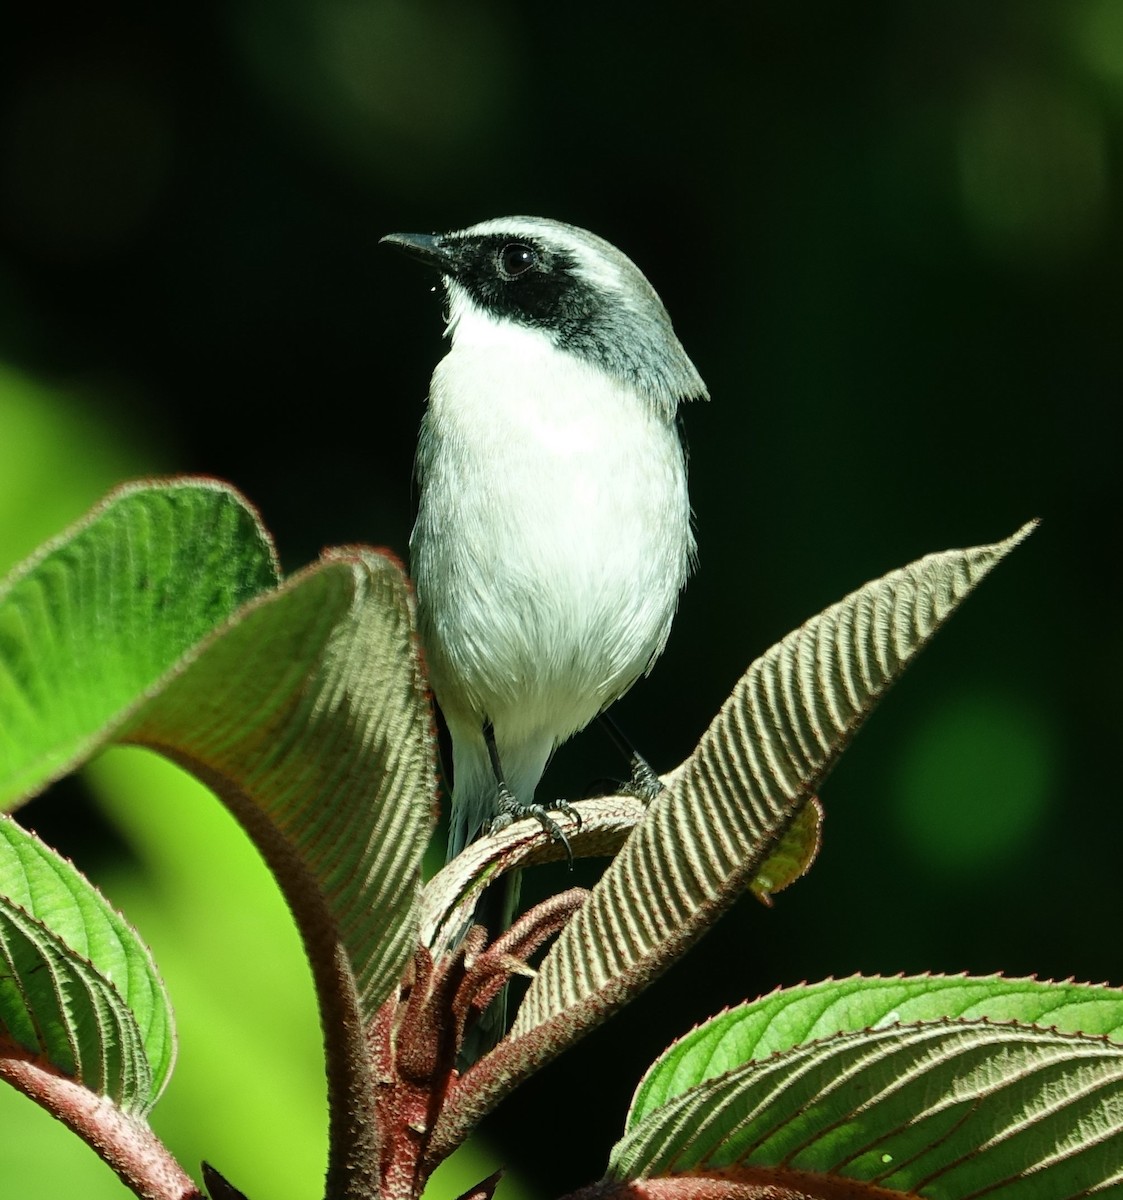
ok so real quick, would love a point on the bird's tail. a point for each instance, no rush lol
(474, 803)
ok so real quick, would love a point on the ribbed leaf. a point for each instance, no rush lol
(79, 990)
(157, 621)
(303, 706)
(309, 716)
(55, 1005)
(946, 1110)
(766, 752)
(98, 615)
(792, 1016)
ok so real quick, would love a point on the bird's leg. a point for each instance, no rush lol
(645, 785)
(508, 809)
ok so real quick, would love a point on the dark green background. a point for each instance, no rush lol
(889, 237)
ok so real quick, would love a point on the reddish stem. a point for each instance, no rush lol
(143, 1163)
(744, 1183)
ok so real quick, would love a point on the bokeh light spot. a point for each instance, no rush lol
(1033, 169)
(389, 85)
(1098, 28)
(973, 785)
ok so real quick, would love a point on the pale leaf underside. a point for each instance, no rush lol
(783, 727)
(728, 805)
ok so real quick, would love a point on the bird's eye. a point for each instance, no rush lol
(516, 258)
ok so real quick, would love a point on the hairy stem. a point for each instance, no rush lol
(352, 1172)
(142, 1162)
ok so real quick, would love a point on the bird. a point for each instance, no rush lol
(554, 531)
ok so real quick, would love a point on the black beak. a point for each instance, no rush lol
(430, 248)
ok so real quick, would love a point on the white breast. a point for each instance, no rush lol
(553, 535)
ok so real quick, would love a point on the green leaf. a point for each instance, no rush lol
(309, 716)
(708, 834)
(78, 989)
(793, 1016)
(304, 707)
(94, 619)
(158, 621)
(947, 1110)
(722, 813)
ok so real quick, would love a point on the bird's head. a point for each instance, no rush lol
(569, 285)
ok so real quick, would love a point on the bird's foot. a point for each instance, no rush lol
(644, 784)
(510, 810)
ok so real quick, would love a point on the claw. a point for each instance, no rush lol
(567, 810)
(511, 810)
